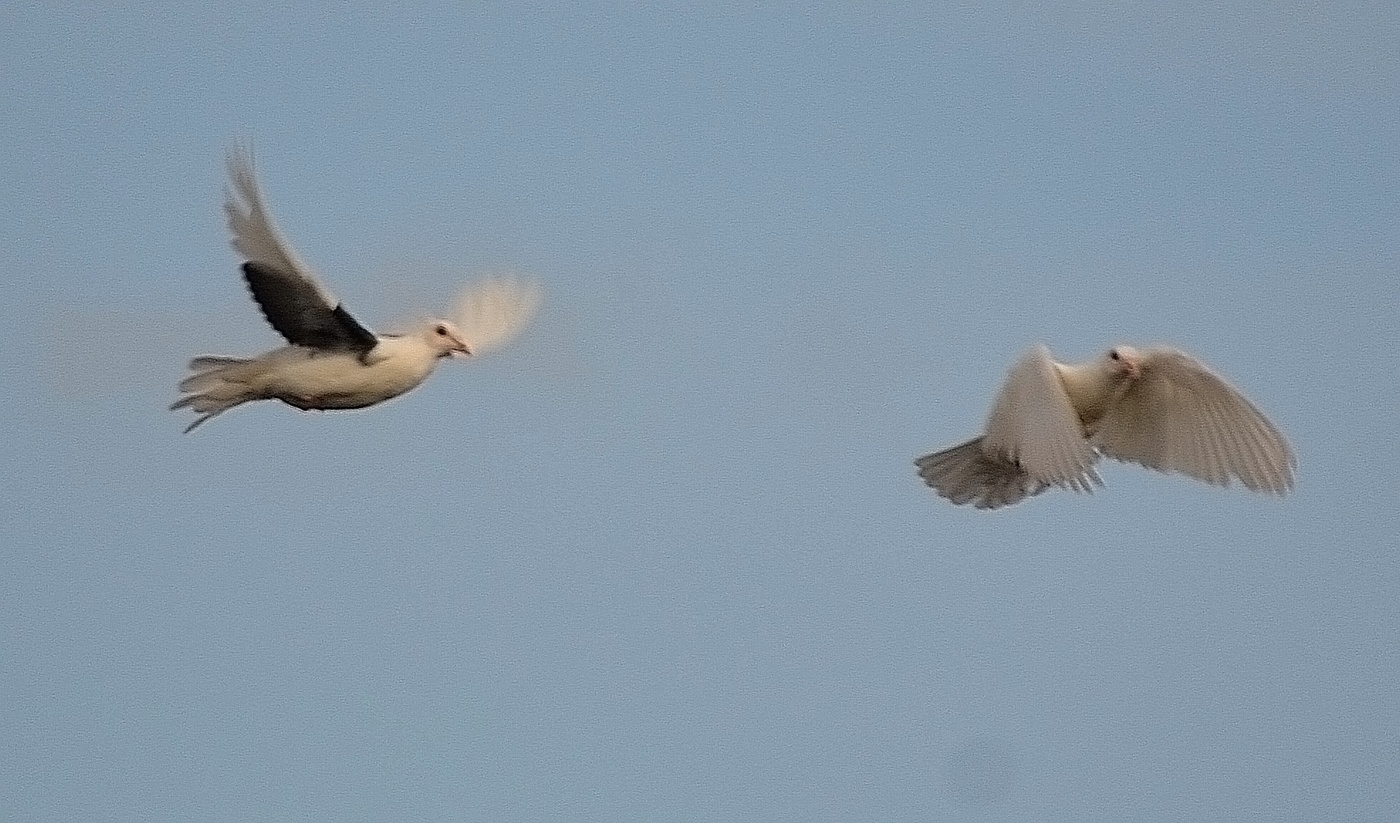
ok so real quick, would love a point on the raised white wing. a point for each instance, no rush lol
(255, 237)
(493, 312)
(1179, 416)
(292, 299)
(1033, 424)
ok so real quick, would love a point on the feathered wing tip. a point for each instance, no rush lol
(491, 313)
(254, 235)
(966, 474)
(216, 385)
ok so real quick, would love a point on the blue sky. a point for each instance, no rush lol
(666, 558)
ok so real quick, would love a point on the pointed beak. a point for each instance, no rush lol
(457, 346)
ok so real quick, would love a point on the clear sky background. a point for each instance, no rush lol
(666, 558)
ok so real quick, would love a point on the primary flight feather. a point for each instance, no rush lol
(332, 361)
(1158, 407)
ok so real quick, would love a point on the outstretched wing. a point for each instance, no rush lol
(291, 298)
(492, 312)
(1034, 425)
(1179, 416)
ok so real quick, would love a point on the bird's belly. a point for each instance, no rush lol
(341, 382)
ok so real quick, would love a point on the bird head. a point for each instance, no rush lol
(447, 339)
(1124, 362)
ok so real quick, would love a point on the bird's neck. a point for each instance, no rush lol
(1092, 388)
(409, 349)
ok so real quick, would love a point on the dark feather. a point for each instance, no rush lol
(299, 311)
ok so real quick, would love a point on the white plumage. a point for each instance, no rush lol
(1158, 407)
(332, 361)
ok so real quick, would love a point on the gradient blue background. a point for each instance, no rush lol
(667, 558)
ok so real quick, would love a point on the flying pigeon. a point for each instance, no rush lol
(1159, 407)
(332, 361)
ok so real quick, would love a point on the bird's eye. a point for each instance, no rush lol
(442, 331)
(1113, 355)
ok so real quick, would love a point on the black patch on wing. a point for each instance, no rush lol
(295, 308)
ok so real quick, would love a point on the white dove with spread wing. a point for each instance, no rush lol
(1158, 407)
(332, 361)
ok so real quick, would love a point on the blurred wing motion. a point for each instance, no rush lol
(491, 313)
(1179, 416)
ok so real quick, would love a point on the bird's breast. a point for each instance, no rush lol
(343, 380)
(1091, 392)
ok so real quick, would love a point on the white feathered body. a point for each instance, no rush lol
(310, 379)
(1092, 389)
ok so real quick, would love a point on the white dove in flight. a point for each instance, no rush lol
(1158, 407)
(333, 362)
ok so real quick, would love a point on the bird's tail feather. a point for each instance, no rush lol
(217, 385)
(967, 474)
(208, 362)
